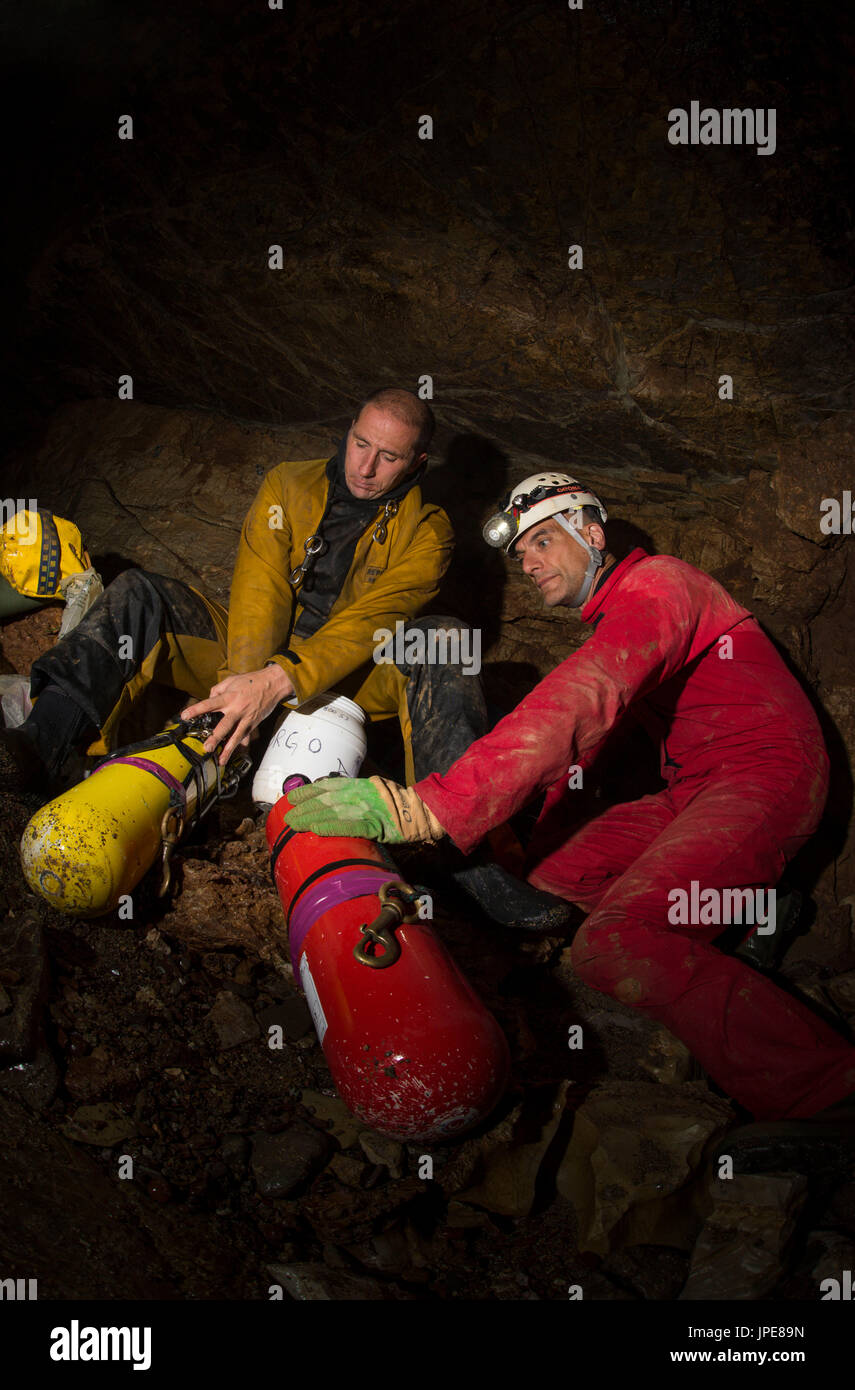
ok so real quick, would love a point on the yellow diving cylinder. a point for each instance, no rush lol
(86, 849)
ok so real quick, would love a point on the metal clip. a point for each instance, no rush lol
(171, 830)
(398, 905)
(379, 532)
(232, 775)
(311, 547)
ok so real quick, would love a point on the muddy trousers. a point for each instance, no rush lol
(148, 628)
(764, 1048)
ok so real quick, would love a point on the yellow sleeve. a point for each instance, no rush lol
(346, 640)
(262, 601)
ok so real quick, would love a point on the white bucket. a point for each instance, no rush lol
(325, 735)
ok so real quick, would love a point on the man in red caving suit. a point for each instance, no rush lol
(746, 774)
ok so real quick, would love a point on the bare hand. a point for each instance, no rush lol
(244, 702)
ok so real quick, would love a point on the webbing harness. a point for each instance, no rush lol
(175, 820)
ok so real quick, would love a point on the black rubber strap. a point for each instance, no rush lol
(196, 761)
(50, 555)
(285, 834)
(174, 737)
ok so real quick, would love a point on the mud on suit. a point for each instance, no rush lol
(746, 775)
(381, 563)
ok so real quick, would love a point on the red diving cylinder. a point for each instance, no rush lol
(412, 1050)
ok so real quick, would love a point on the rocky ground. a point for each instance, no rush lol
(147, 1039)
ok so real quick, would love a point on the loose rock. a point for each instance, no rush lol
(508, 1184)
(311, 1283)
(842, 991)
(102, 1125)
(380, 1148)
(232, 1020)
(634, 1149)
(342, 1125)
(741, 1251)
(283, 1162)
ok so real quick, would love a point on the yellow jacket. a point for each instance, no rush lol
(387, 581)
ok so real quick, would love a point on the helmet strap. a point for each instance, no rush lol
(595, 561)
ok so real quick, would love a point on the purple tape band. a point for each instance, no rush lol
(339, 888)
(155, 769)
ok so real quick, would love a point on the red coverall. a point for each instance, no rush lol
(746, 770)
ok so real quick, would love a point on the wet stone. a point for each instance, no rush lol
(232, 1020)
(511, 1156)
(842, 991)
(383, 1150)
(311, 1283)
(329, 1109)
(634, 1158)
(283, 1162)
(102, 1125)
(742, 1249)
(348, 1170)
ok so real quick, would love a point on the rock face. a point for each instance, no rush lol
(449, 255)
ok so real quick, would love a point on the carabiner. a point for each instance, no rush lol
(311, 547)
(379, 532)
(398, 904)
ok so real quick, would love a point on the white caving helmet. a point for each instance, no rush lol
(547, 495)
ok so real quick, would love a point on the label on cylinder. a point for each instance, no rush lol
(319, 1018)
(325, 737)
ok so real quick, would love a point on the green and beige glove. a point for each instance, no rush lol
(370, 807)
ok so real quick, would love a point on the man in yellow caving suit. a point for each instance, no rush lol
(331, 551)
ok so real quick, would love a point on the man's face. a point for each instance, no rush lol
(380, 450)
(554, 561)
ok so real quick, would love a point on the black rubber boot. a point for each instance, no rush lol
(448, 714)
(132, 615)
(515, 903)
(23, 771)
(766, 952)
(42, 753)
(446, 702)
(823, 1144)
